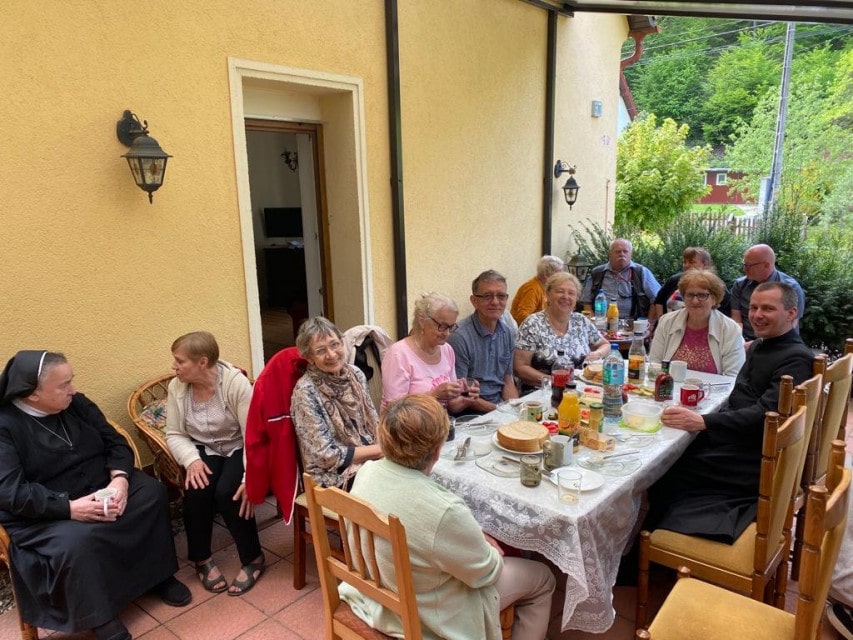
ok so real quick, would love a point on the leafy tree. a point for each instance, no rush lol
(740, 77)
(657, 175)
(816, 158)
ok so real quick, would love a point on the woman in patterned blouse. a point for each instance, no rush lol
(333, 415)
(557, 328)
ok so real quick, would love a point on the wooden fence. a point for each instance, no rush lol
(740, 226)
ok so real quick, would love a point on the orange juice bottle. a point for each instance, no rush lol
(569, 411)
(613, 317)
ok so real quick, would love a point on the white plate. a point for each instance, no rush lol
(585, 380)
(499, 467)
(513, 407)
(500, 446)
(475, 450)
(475, 426)
(617, 467)
(590, 480)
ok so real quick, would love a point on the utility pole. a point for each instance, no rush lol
(776, 167)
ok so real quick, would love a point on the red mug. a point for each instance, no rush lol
(691, 395)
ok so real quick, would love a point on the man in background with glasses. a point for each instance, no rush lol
(759, 265)
(484, 344)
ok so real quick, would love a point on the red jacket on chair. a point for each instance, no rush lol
(271, 447)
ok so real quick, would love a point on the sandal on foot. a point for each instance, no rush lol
(214, 585)
(251, 578)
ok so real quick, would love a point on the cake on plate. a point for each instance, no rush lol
(522, 436)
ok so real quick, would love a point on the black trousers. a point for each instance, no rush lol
(201, 505)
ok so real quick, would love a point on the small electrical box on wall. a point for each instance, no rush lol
(597, 107)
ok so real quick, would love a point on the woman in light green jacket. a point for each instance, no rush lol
(461, 578)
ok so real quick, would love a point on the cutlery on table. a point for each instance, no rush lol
(601, 458)
(462, 451)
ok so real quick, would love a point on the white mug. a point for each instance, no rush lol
(678, 370)
(105, 495)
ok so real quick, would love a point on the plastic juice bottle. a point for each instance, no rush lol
(613, 317)
(569, 412)
(636, 359)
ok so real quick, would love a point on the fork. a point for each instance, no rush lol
(463, 449)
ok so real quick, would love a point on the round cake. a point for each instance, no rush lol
(593, 371)
(522, 436)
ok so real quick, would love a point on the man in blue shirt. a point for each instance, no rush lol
(484, 344)
(632, 286)
(759, 265)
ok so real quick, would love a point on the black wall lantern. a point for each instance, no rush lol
(146, 159)
(579, 266)
(570, 189)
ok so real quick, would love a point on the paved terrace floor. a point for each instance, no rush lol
(273, 610)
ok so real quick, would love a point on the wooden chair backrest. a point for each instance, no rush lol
(363, 531)
(781, 467)
(831, 425)
(826, 519)
(809, 394)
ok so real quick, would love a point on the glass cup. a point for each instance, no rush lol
(467, 384)
(552, 457)
(569, 485)
(545, 388)
(531, 476)
(560, 377)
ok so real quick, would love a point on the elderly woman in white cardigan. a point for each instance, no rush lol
(207, 405)
(699, 334)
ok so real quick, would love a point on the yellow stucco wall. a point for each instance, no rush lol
(89, 267)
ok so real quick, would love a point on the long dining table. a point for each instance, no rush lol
(584, 540)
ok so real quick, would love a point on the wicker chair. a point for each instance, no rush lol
(28, 631)
(148, 395)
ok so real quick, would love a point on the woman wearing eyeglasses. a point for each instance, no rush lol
(423, 361)
(556, 329)
(700, 334)
(333, 415)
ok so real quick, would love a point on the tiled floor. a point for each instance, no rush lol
(273, 610)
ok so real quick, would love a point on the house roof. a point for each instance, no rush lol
(799, 11)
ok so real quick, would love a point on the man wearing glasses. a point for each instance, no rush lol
(484, 344)
(759, 265)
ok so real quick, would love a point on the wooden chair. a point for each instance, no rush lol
(147, 408)
(701, 611)
(830, 423)
(757, 561)
(303, 536)
(361, 521)
(28, 631)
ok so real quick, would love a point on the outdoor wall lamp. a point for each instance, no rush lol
(146, 159)
(291, 159)
(570, 189)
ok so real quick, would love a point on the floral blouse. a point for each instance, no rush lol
(536, 334)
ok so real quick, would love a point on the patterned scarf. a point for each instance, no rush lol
(349, 407)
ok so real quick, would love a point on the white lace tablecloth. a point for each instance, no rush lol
(584, 540)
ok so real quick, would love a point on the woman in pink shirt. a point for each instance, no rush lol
(423, 362)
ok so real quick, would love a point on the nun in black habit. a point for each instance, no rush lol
(75, 566)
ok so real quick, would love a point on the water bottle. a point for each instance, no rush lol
(600, 308)
(613, 378)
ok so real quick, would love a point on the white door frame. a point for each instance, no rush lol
(307, 82)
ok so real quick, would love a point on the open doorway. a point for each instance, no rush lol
(288, 227)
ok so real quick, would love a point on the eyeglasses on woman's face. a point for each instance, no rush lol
(442, 327)
(697, 295)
